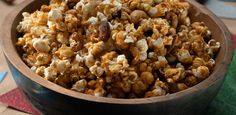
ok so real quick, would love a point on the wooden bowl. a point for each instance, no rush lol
(50, 98)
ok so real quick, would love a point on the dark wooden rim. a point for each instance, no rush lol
(15, 60)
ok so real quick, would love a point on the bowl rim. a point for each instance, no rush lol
(17, 62)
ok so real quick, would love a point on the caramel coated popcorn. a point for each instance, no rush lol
(118, 48)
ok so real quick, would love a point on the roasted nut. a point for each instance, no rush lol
(137, 15)
(139, 87)
(104, 31)
(147, 77)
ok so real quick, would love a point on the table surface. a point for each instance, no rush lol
(9, 84)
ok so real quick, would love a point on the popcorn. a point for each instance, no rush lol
(26, 24)
(50, 73)
(41, 45)
(55, 15)
(61, 65)
(201, 72)
(79, 58)
(63, 38)
(89, 60)
(93, 20)
(147, 77)
(118, 65)
(64, 52)
(174, 74)
(129, 39)
(99, 92)
(80, 85)
(139, 87)
(120, 38)
(101, 16)
(43, 59)
(96, 70)
(143, 47)
(118, 48)
(40, 70)
(184, 56)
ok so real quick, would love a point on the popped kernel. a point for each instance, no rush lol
(184, 56)
(64, 52)
(80, 85)
(174, 75)
(147, 77)
(43, 59)
(99, 92)
(139, 87)
(201, 72)
(50, 73)
(40, 70)
(41, 45)
(63, 37)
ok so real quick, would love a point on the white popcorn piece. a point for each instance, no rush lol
(50, 73)
(26, 24)
(118, 4)
(93, 20)
(121, 58)
(54, 15)
(51, 24)
(80, 85)
(33, 68)
(130, 28)
(101, 16)
(179, 65)
(96, 70)
(79, 58)
(143, 47)
(41, 45)
(119, 64)
(107, 2)
(80, 5)
(158, 42)
(159, 91)
(89, 60)
(162, 58)
(128, 39)
(151, 54)
(63, 38)
(62, 65)
(184, 56)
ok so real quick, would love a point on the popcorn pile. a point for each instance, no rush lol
(118, 48)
